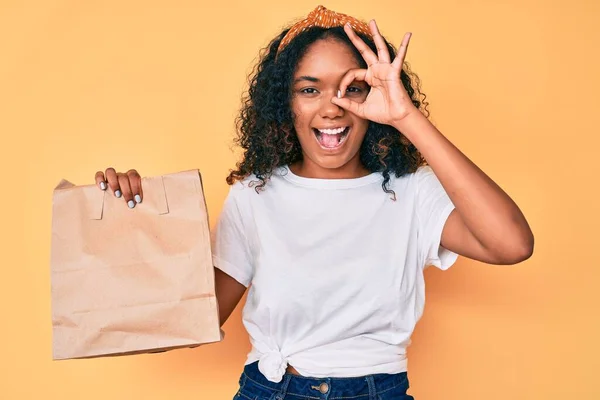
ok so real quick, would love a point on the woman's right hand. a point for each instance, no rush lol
(127, 185)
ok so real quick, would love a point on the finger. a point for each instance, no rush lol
(100, 181)
(349, 105)
(351, 76)
(382, 50)
(113, 181)
(399, 60)
(126, 188)
(367, 54)
(135, 182)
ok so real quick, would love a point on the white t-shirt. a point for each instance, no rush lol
(335, 268)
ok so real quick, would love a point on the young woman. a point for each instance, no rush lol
(344, 194)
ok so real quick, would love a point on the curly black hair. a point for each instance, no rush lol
(265, 124)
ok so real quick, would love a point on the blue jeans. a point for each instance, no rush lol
(254, 386)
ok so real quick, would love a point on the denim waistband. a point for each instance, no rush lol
(358, 388)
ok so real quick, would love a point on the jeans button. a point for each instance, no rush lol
(323, 388)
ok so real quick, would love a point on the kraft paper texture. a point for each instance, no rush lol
(127, 281)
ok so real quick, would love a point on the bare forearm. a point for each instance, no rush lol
(489, 213)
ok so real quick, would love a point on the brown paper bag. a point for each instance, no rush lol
(127, 281)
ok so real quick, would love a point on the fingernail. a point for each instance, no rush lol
(138, 198)
(103, 185)
(118, 193)
(131, 204)
(339, 94)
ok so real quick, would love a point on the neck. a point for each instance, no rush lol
(311, 170)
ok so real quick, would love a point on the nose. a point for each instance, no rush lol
(330, 110)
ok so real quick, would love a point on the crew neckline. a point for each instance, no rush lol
(322, 183)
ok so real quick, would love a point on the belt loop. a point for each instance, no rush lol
(284, 387)
(372, 388)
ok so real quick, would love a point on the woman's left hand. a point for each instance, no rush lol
(387, 102)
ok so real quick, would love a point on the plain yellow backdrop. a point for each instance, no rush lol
(155, 85)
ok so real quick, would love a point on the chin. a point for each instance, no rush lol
(332, 162)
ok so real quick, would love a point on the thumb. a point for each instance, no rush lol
(349, 105)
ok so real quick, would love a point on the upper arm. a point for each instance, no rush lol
(229, 293)
(231, 249)
(231, 254)
(457, 238)
(443, 230)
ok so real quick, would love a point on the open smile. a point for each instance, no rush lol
(332, 138)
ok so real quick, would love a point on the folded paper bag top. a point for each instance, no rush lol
(128, 281)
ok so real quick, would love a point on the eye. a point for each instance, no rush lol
(354, 89)
(308, 90)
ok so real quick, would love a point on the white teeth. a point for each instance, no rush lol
(332, 131)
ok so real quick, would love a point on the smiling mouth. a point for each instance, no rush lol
(331, 139)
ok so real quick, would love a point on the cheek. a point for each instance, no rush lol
(362, 127)
(301, 117)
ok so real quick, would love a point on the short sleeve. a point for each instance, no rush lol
(433, 207)
(230, 246)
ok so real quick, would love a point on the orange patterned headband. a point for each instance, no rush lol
(323, 18)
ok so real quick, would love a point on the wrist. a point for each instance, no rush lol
(411, 122)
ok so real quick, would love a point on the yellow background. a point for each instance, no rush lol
(155, 85)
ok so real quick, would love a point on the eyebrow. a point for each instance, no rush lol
(306, 78)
